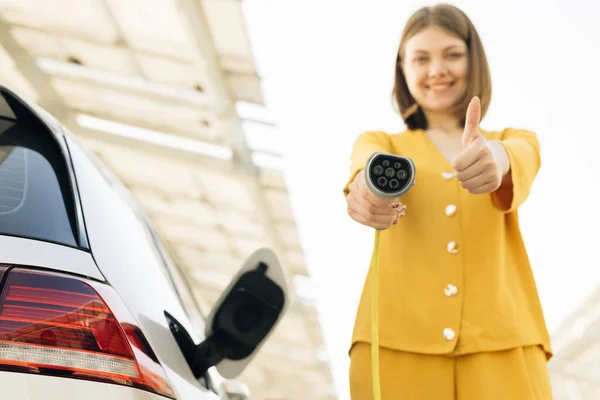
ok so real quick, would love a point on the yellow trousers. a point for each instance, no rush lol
(516, 374)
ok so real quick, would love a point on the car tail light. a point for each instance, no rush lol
(60, 325)
(3, 268)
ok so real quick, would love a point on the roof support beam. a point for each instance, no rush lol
(227, 117)
(122, 38)
(138, 86)
(223, 104)
(186, 155)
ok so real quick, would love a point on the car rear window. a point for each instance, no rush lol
(35, 195)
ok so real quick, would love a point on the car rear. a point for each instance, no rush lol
(64, 331)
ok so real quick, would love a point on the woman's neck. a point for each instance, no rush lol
(443, 122)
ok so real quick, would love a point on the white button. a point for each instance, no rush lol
(449, 334)
(450, 210)
(447, 175)
(451, 290)
(452, 247)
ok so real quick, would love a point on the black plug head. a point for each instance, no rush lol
(388, 175)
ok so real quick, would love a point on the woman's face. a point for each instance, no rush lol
(435, 65)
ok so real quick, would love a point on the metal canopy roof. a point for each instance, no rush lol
(152, 88)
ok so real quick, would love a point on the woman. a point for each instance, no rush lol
(459, 313)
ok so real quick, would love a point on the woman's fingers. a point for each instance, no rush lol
(373, 216)
(368, 209)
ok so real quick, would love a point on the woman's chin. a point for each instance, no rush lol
(439, 107)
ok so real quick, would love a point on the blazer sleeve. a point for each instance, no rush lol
(366, 144)
(523, 149)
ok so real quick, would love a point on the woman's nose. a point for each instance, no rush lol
(437, 68)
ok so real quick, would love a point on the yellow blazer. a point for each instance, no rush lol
(454, 272)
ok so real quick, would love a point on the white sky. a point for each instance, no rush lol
(327, 69)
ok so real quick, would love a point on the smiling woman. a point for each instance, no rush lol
(441, 64)
(427, 56)
(457, 300)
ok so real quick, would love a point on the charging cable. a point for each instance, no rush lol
(388, 176)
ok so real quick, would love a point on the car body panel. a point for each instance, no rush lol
(33, 387)
(121, 247)
(15, 250)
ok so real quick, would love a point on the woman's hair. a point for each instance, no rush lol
(479, 83)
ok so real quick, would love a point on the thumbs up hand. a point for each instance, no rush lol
(481, 165)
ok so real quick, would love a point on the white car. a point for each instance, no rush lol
(91, 305)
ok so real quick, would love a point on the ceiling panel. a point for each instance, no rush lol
(240, 223)
(246, 87)
(157, 29)
(279, 205)
(154, 90)
(98, 55)
(140, 110)
(237, 64)
(180, 208)
(225, 190)
(139, 169)
(210, 278)
(288, 234)
(296, 261)
(11, 76)
(117, 59)
(192, 235)
(172, 72)
(292, 331)
(195, 257)
(226, 22)
(40, 43)
(257, 376)
(272, 179)
(244, 247)
(278, 348)
(82, 18)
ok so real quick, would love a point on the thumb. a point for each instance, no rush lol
(472, 122)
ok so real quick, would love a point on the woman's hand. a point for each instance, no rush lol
(483, 164)
(368, 209)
